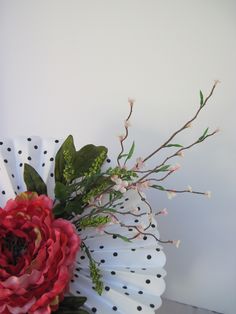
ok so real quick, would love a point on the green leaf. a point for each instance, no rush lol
(74, 205)
(201, 138)
(174, 145)
(71, 305)
(73, 302)
(122, 237)
(33, 181)
(60, 163)
(61, 191)
(85, 157)
(58, 210)
(122, 155)
(163, 168)
(130, 153)
(201, 99)
(158, 187)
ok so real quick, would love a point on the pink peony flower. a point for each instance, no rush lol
(37, 253)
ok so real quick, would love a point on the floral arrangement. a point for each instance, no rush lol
(40, 237)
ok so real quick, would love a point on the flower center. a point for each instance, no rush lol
(13, 247)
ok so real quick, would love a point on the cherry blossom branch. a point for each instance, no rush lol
(186, 125)
(174, 155)
(123, 138)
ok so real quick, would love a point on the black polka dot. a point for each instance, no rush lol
(29, 158)
(133, 250)
(124, 287)
(43, 164)
(139, 308)
(82, 257)
(45, 152)
(122, 207)
(102, 261)
(108, 160)
(21, 164)
(101, 247)
(115, 254)
(144, 268)
(51, 159)
(72, 280)
(136, 220)
(157, 249)
(114, 236)
(13, 176)
(35, 146)
(9, 149)
(149, 256)
(158, 276)
(77, 291)
(114, 308)
(107, 288)
(145, 238)
(140, 292)
(18, 187)
(94, 310)
(148, 281)
(76, 275)
(113, 272)
(132, 271)
(153, 226)
(1, 143)
(3, 192)
(126, 199)
(29, 139)
(77, 269)
(19, 152)
(56, 141)
(6, 161)
(126, 293)
(152, 305)
(51, 175)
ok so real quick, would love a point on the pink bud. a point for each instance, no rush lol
(176, 243)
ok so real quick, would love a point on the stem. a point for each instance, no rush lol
(184, 126)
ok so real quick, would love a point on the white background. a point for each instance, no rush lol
(69, 67)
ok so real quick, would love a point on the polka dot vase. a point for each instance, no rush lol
(132, 272)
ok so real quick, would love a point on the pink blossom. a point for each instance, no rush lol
(163, 212)
(171, 194)
(139, 164)
(176, 243)
(120, 185)
(175, 167)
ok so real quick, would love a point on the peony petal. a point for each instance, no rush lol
(23, 309)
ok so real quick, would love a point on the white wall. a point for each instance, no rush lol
(69, 67)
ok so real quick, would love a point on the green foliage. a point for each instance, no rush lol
(94, 221)
(201, 99)
(86, 156)
(163, 168)
(72, 305)
(61, 163)
(96, 276)
(174, 145)
(122, 237)
(62, 192)
(158, 187)
(202, 138)
(33, 181)
(74, 205)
